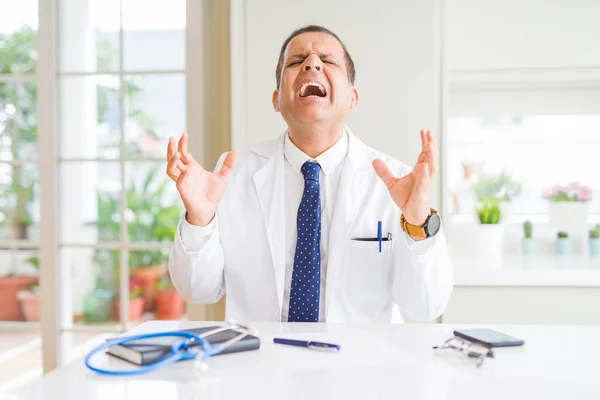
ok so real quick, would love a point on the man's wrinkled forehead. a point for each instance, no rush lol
(314, 42)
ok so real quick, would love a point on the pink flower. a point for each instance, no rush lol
(574, 191)
(552, 191)
(134, 283)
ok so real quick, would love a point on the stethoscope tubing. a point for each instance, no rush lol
(178, 352)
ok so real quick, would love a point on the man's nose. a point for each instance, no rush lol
(313, 62)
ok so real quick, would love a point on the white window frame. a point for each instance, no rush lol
(56, 318)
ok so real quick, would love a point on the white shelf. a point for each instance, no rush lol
(535, 271)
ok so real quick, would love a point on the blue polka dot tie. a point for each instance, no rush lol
(306, 277)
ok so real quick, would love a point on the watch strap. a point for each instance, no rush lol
(415, 230)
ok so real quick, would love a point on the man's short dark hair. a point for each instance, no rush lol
(319, 29)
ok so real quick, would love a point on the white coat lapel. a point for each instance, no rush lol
(351, 195)
(269, 184)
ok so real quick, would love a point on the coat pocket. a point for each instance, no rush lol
(368, 270)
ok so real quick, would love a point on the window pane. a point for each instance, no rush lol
(90, 117)
(89, 201)
(94, 285)
(153, 205)
(89, 35)
(19, 202)
(19, 289)
(18, 129)
(153, 35)
(155, 111)
(536, 152)
(18, 31)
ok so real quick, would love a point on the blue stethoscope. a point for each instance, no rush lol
(188, 348)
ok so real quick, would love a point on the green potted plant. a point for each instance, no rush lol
(97, 303)
(501, 188)
(151, 218)
(563, 243)
(169, 303)
(30, 298)
(488, 236)
(595, 240)
(528, 244)
(18, 181)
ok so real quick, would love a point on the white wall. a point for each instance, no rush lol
(393, 45)
(493, 34)
(522, 57)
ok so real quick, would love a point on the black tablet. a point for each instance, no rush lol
(489, 337)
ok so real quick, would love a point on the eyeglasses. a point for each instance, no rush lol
(474, 351)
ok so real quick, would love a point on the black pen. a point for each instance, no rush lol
(308, 344)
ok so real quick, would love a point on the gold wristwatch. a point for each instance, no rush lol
(430, 228)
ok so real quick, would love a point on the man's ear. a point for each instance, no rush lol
(354, 103)
(275, 100)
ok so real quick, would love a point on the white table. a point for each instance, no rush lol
(376, 361)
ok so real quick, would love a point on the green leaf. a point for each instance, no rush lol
(488, 212)
(497, 187)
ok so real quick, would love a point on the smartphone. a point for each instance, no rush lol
(489, 337)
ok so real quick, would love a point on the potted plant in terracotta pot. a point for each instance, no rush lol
(151, 218)
(10, 286)
(169, 303)
(136, 300)
(154, 219)
(30, 298)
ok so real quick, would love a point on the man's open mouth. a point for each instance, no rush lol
(312, 89)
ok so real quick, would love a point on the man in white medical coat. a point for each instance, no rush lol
(311, 226)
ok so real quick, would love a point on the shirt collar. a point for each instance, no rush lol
(328, 160)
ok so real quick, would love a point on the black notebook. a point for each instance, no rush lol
(146, 351)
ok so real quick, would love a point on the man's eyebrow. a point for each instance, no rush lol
(298, 56)
(302, 56)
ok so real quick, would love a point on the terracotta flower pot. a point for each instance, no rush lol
(169, 305)
(149, 276)
(136, 309)
(30, 305)
(10, 308)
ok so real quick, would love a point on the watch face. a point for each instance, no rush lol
(433, 224)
